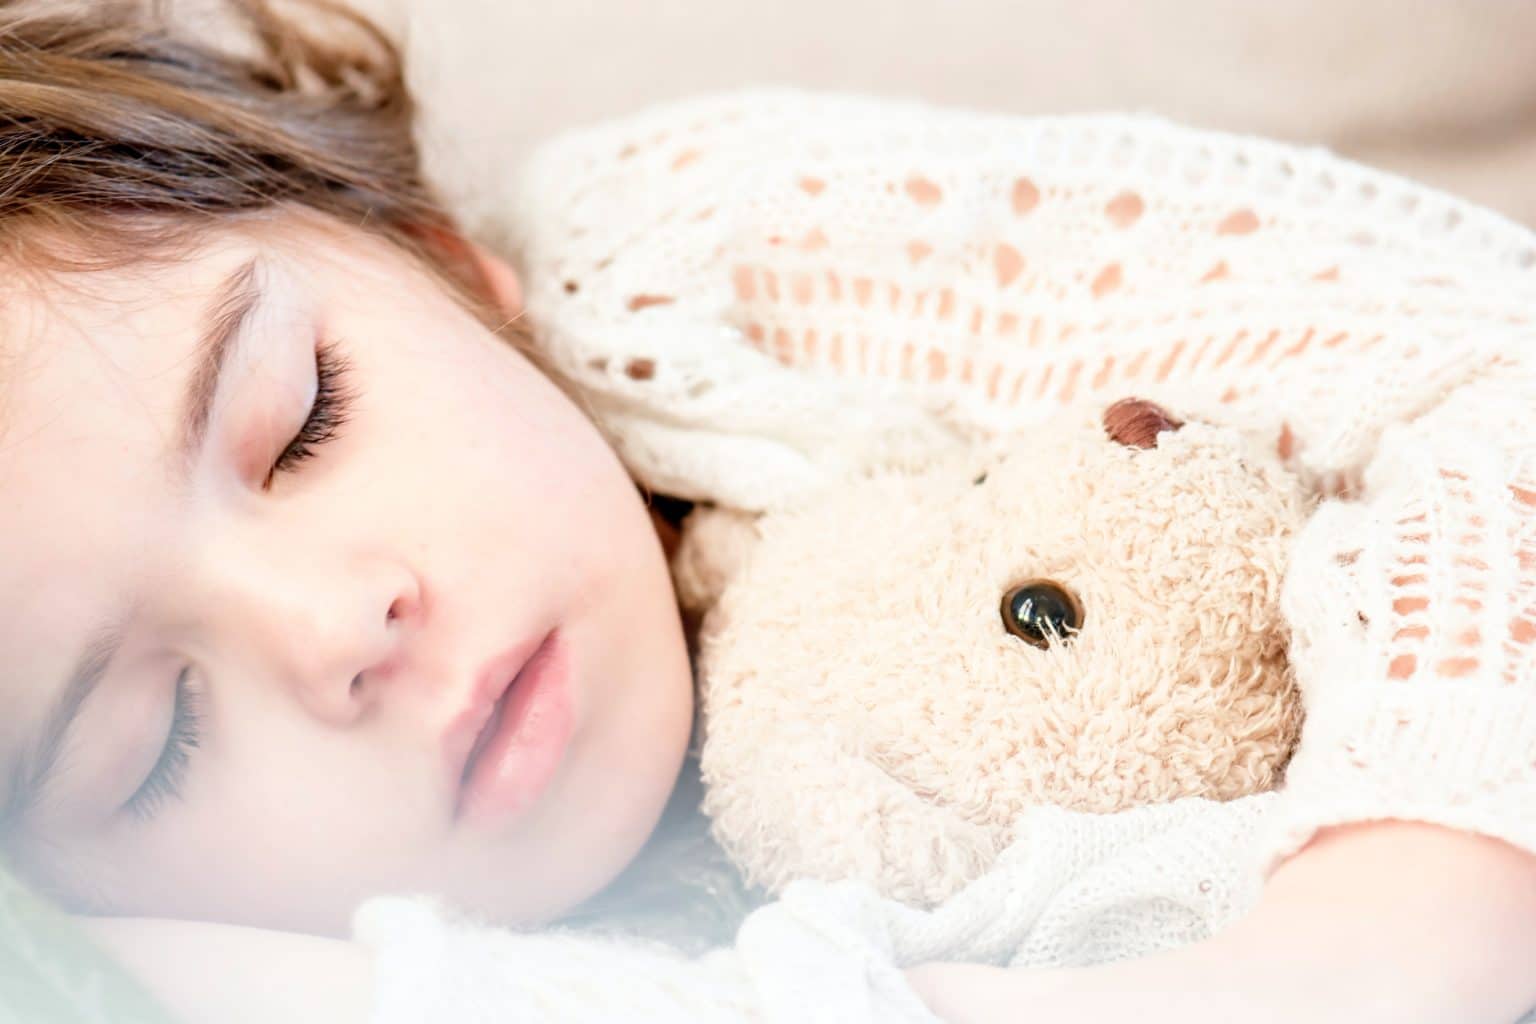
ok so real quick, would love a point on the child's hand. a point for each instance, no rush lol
(1212, 983)
(1389, 921)
(1149, 991)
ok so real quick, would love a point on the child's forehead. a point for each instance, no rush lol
(65, 336)
(67, 275)
(131, 310)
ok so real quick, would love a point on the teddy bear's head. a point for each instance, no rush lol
(1084, 615)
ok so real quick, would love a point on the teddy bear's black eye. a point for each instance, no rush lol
(1035, 610)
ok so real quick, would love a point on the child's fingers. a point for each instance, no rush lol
(978, 994)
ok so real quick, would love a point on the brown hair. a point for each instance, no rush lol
(121, 128)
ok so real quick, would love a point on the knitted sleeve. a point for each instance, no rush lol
(756, 290)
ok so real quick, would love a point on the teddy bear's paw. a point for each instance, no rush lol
(1328, 596)
(714, 545)
(803, 807)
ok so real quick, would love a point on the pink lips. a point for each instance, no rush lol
(504, 749)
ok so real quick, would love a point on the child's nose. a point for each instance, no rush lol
(332, 634)
(347, 670)
(1136, 422)
(343, 650)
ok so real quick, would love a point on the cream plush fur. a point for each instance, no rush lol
(868, 715)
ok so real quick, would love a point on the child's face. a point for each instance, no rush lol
(330, 622)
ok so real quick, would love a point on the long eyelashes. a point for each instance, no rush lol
(327, 415)
(165, 779)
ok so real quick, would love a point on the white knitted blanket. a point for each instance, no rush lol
(1084, 889)
(752, 292)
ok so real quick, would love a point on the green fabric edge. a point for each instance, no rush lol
(51, 972)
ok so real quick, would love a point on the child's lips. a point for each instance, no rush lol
(514, 735)
(492, 682)
(486, 732)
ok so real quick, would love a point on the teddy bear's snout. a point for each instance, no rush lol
(1136, 422)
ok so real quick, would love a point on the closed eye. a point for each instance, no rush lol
(327, 413)
(165, 779)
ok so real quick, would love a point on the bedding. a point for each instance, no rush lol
(51, 973)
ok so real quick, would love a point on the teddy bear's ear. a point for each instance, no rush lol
(715, 543)
(1136, 422)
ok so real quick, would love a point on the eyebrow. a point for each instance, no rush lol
(31, 770)
(231, 310)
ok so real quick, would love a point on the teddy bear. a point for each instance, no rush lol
(1083, 613)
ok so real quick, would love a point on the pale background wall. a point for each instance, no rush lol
(1443, 90)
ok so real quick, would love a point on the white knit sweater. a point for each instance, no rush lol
(756, 291)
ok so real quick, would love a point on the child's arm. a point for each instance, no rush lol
(231, 975)
(1389, 921)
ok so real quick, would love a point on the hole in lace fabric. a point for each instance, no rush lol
(1025, 196)
(1239, 222)
(1107, 281)
(1008, 263)
(639, 302)
(640, 369)
(924, 192)
(1125, 209)
(801, 288)
(745, 283)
